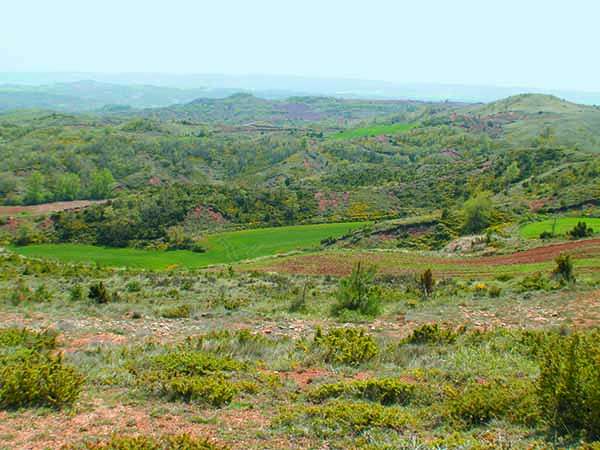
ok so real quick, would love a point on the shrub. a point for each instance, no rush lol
(21, 337)
(386, 391)
(358, 293)
(214, 390)
(176, 312)
(76, 293)
(173, 442)
(479, 403)
(98, 293)
(564, 268)
(535, 282)
(569, 383)
(581, 230)
(351, 346)
(426, 282)
(494, 291)
(192, 363)
(344, 417)
(29, 378)
(433, 334)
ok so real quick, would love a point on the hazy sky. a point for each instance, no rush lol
(545, 43)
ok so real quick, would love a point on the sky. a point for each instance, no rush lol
(530, 43)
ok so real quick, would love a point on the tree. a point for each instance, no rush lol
(358, 292)
(426, 282)
(512, 173)
(35, 191)
(102, 183)
(67, 187)
(477, 212)
(564, 268)
(580, 231)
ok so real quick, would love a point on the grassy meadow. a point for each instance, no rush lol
(374, 130)
(563, 225)
(226, 247)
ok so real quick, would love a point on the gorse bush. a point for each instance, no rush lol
(21, 337)
(341, 417)
(191, 376)
(358, 292)
(176, 312)
(386, 391)
(433, 334)
(350, 346)
(214, 390)
(28, 378)
(173, 442)
(479, 403)
(193, 363)
(569, 383)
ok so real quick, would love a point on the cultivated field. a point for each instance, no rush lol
(227, 247)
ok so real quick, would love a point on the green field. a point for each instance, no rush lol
(563, 224)
(375, 130)
(222, 248)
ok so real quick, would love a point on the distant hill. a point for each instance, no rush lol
(87, 95)
(522, 118)
(240, 109)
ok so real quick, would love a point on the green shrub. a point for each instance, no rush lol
(358, 292)
(341, 417)
(386, 391)
(214, 390)
(351, 346)
(76, 293)
(536, 282)
(28, 378)
(176, 312)
(433, 334)
(494, 291)
(173, 442)
(480, 403)
(22, 337)
(98, 293)
(569, 383)
(192, 363)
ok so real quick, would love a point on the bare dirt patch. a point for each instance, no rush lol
(46, 208)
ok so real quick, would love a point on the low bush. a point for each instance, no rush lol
(172, 442)
(386, 391)
(350, 346)
(28, 378)
(481, 402)
(214, 390)
(192, 363)
(98, 293)
(22, 337)
(341, 417)
(569, 383)
(433, 334)
(176, 312)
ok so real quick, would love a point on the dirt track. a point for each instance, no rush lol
(46, 208)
